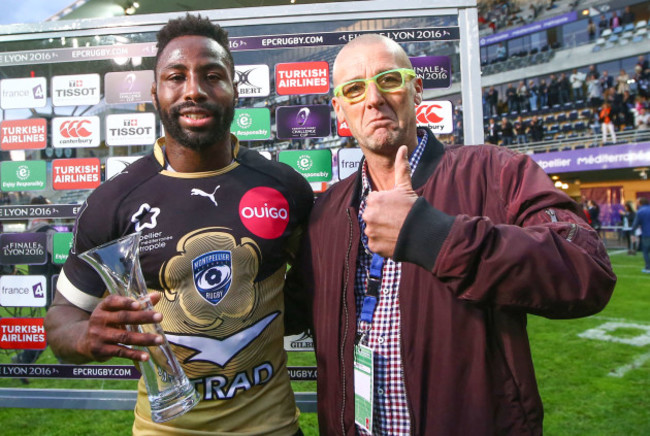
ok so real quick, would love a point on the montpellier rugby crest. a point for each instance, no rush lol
(213, 275)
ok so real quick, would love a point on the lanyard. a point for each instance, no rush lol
(373, 287)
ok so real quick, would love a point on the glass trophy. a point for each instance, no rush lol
(170, 392)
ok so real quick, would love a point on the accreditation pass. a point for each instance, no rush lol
(363, 386)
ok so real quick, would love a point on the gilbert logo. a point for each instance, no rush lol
(265, 212)
(252, 80)
(76, 90)
(302, 78)
(75, 132)
(436, 115)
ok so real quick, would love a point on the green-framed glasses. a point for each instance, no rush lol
(388, 81)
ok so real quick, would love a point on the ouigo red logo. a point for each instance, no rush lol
(264, 212)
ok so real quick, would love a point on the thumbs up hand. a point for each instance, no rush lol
(386, 210)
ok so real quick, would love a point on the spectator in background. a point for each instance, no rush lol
(625, 114)
(522, 96)
(641, 122)
(591, 30)
(520, 130)
(493, 100)
(533, 95)
(594, 122)
(553, 91)
(606, 81)
(564, 88)
(606, 123)
(543, 93)
(642, 221)
(627, 17)
(511, 98)
(577, 80)
(594, 92)
(507, 132)
(492, 132)
(536, 129)
(622, 82)
(615, 21)
(501, 53)
(594, 215)
(603, 24)
(627, 218)
(593, 71)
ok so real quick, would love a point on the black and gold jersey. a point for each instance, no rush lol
(216, 245)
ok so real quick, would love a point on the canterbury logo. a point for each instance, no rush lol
(221, 351)
(75, 129)
(426, 114)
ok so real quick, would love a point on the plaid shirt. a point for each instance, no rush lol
(391, 414)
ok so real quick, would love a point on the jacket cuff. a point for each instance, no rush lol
(423, 232)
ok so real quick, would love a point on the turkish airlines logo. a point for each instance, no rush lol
(436, 115)
(75, 132)
(302, 78)
(23, 134)
(264, 212)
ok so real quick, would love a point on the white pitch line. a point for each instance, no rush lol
(621, 371)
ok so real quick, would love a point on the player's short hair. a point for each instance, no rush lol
(193, 25)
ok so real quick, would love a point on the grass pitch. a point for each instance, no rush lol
(593, 374)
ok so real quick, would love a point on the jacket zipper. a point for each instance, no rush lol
(551, 213)
(572, 230)
(346, 323)
(401, 368)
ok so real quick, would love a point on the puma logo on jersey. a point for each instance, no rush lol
(221, 351)
(202, 193)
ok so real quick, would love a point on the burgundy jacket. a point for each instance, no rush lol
(489, 241)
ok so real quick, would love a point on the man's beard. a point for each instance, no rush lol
(199, 140)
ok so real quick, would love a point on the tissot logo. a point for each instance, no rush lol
(131, 129)
(436, 115)
(265, 212)
(76, 90)
(252, 80)
(75, 132)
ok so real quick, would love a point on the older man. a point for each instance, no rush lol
(425, 264)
